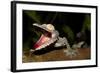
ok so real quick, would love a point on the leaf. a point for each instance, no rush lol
(34, 16)
(69, 32)
(87, 23)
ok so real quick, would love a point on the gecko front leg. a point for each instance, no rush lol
(69, 51)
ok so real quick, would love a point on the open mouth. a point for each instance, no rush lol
(41, 43)
(46, 38)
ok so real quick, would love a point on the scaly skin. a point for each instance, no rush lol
(54, 37)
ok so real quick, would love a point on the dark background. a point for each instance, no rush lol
(68, 25)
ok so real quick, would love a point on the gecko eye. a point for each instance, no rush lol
(50, 27)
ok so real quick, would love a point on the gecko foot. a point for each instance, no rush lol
(71, 52)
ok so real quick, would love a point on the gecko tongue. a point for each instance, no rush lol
(43, 39)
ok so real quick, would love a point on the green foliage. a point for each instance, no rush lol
(87, 23)
(34, 16)
(70, 34)
(62, 27)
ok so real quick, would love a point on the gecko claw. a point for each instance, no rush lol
(71, 52)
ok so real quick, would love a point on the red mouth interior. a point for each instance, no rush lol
(43, 39)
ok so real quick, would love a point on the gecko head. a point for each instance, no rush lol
(46, 36)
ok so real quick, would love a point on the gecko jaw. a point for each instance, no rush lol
(41, 42)
(46, 37)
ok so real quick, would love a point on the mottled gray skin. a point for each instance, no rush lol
(60, 41)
